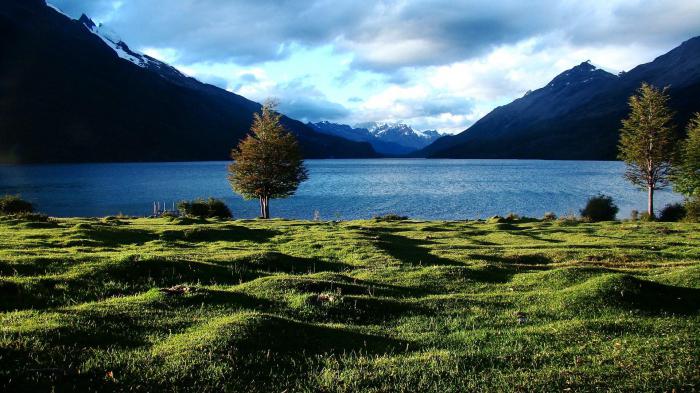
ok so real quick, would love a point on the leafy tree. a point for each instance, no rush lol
(647, 141)
(686, 176)
(267, 163)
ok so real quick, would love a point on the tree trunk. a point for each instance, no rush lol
(650, 205)
(262, 207)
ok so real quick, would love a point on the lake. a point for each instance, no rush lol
(337, 189)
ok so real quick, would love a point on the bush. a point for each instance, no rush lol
(200, 208)
(634, 215)
(217, 208)
(512, 217)
(646, 217)
(568, 219)
(169, 214)
(600, 208)
(672, 212)
(13, 204)
(692, 209)
(549, 216)
(391, 217)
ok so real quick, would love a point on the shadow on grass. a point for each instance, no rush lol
(407, 250)
(126, 276)
(111, 236)
(352, 309)
(628, 293)
(529, 259)
(655, 298)
(115, 236)
(320, 283)
(230, 233)
(526, 232)
(275, 262)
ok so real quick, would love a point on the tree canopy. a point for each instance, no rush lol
(686, 177)
(268, 162)
(647, 141)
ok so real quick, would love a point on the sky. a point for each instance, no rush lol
(431, 64)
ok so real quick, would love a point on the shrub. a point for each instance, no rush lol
(13, 204)
(195, 208)
(495, 220)
(672, 212)
(169, 214)
(218, 209)
(600, 208)
(390, 217)
(200, 208)
(692, 209)
(645, 216)
(567, 220)
(549, 216)
(634, 215)
(35, 217)
(512, 217)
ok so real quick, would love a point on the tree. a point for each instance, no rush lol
(647, 141)
(267, 163)
(686, 174)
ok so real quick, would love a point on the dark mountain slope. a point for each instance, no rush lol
(578, 114)
(68, 97)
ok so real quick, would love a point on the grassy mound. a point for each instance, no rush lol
(508, 304)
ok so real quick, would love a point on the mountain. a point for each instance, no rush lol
(578, 115)
(72, 91)
(391, 139)
(401, 134)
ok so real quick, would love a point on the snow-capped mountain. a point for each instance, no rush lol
(113, 41)
(142, 60)
(386, 138)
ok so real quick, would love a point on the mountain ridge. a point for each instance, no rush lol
(577, 115)
(69, 97)
(393, 139)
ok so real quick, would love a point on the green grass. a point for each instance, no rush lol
(376, 305)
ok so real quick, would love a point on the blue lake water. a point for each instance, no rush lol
(338, 189)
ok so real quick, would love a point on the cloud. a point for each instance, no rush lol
(387, 35)
(300, 100)
(433, 64)
(312, 109)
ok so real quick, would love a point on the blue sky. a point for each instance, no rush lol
(432, 64)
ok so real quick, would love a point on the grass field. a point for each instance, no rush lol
(183, 305)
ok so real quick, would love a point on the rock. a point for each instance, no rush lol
(178, 290)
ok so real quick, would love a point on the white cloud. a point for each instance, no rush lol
(434, 64)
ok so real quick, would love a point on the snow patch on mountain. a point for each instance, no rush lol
(386, 138)
(379, 129)
(58, 10)
(113, 40)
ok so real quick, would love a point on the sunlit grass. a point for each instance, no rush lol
(353, 306)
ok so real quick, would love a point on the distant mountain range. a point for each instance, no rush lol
(578, 114)
(386, 138)
(74, 92)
